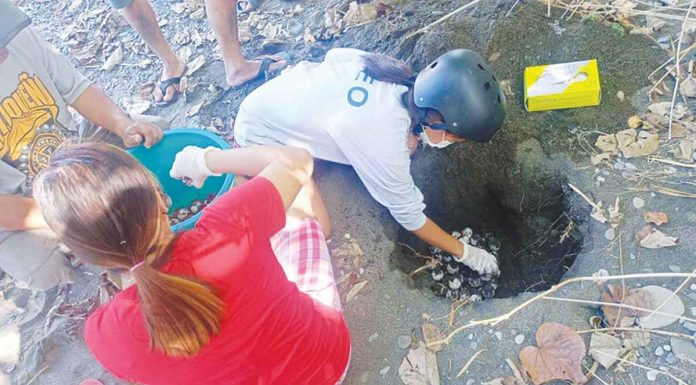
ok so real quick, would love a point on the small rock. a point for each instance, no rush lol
(346, 236)
(384, 371)
(638, 203)
(652, 194)
(403, 341)
(621, 95)
(632, 256)
(490, 331)
(692, 287)
(667, 348)
(671, 358)
(610, 234)
(519, 339)
(470, 382)
(690, 326)
(601, 179)
(675, 268)
(659, 351)
(619, 165)
(470, 336)
(499, 336)
(473, 345)
(652, 375)
(630, 166)
(683, 349)
(373, 337)
(642, 360)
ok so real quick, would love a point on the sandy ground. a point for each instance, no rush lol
(390, 305)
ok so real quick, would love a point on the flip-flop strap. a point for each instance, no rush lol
(263, 69)
(164, 84)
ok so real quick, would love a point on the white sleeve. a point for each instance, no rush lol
(388, 179)
(337, 55)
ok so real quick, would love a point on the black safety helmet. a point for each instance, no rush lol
(462, 87)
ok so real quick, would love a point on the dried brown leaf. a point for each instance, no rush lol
(114, 59)
(558, 355)
(651, 238)
(634, 145)
(656, 217)
(607, 143)
(598, 158)
(431, 335)
(355, 290)
(620, 316)
(419, 367)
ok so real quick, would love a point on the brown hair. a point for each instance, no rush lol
(388, 69)
(107, 209)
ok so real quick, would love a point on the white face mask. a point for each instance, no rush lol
(441, 144)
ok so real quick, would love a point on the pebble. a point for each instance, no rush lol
(473, 345)
(632, 256)
(667, 348)
(470, 382)
(638, 203)
(403, 341)
(652, 375)
(659, 351)
(499, 336)
(675, 268)
(619, 165)
(490, 331)
(630, 166)
(690, 326)
(692, 287)
(346, 236)
(470, 336)
(653, 195)
(671, 358)
(610, 234)
(519, 339)
(361, 271)
(384, 371)
(601, 179)
(683, 349)
(373, 337)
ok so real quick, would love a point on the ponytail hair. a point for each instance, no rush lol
(388, 69)
(107, 209)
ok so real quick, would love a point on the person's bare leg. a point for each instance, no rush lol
(222, 15)
(309, 204)
(141, 17)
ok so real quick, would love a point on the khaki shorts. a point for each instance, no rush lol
(35, 259)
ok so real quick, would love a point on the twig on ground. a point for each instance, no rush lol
(511, 8)
(614, 304)
(469, 362)
(430, 264)
(653, 331)
(442, 19)
(678, 77)
(496, 320)
(680, 381)
(672, 162)
(623, 281)
(37, 375)
(585, 197)
(672, 192)
(515, 371)
(591, 373)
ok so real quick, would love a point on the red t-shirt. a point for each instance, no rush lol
(271, 332)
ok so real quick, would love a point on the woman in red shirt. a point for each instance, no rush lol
(212, 305)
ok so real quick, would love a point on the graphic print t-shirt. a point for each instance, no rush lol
(36, 86)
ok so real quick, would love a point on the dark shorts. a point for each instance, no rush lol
(120, 4)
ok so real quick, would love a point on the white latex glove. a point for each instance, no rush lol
(189, 166)
(478, 259)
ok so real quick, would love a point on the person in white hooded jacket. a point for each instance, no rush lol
(369, 111)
